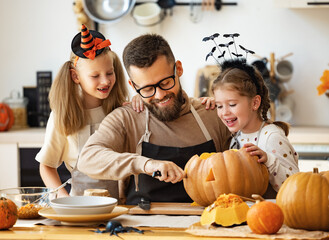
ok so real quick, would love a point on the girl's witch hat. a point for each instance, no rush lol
(89, 43)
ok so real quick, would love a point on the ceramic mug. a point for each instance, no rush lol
(284, 70)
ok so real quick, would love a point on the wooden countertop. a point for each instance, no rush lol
(81, 233)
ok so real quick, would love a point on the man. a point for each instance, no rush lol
(130, 145)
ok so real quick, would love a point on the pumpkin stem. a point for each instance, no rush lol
(315, 170)
(257, 197)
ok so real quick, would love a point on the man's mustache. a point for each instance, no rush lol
(164, 98)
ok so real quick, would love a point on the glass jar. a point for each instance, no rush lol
(18, 105)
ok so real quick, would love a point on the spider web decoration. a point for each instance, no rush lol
(227, 46)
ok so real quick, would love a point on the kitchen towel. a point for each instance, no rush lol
(169, 221)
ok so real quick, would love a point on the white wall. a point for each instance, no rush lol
(36, 35)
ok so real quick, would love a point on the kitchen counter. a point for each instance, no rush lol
(26, 137)
(309, 135)
(24, 232)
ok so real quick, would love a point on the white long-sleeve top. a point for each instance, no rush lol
(282, 159)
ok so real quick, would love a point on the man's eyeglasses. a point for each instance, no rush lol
(164, 84)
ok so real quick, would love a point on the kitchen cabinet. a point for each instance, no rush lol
(17, 158)
(302, 3)
(312, 144)
(10, 143)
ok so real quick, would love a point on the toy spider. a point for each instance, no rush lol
(115, 227)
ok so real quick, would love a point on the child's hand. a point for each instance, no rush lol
(256, 151)
(209, 101)
(137, 103)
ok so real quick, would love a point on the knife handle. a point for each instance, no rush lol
(156, 173)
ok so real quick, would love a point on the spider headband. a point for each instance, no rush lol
(238, 61)
(88, 44)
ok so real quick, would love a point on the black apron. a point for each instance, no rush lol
(152, 189)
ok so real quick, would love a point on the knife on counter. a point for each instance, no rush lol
(144, 204)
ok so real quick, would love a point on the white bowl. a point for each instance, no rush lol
(83, 205)
(83, 201)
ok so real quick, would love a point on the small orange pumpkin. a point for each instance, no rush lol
(304, 199)
(233, 171)
(265, 217)
(6, 117)
(8, 213)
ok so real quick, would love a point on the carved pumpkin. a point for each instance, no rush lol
(6, 117)
(8, 213)
(227, 210)
(304, 200)
(265, 218)
(232, 171)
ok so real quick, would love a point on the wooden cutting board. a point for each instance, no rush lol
(169, 209)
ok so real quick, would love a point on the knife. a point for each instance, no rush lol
(144, 204)
(157, 173)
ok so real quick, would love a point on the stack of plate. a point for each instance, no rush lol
(83, 205)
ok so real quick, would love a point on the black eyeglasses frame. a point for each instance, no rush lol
(155, 86)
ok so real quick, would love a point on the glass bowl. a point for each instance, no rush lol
(29, 200)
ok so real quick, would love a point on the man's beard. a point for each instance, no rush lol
(169, 113)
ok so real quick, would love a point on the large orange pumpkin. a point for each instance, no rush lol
(6, 117)
(304, 200)
(8, 213)
(232, 171)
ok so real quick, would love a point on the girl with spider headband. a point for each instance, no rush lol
(87, 87)
(242, 101)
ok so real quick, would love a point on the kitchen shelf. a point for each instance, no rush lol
(302, 3)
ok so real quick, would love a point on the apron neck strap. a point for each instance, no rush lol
(201, 124)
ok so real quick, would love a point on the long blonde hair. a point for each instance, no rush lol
(67, 103)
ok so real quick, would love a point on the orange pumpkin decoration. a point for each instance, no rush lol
(6, 117)
(8, 213)
(304, 200)
(233, 171)
(265, 217)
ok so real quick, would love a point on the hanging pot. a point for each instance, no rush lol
(107, 11)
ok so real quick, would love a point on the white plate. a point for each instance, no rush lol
(82, 219)
(83, 201)
(83, 210)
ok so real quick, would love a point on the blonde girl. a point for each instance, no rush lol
(88, 87)
(242, 101)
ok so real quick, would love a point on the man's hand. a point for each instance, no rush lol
(170, 172)
(256, 151)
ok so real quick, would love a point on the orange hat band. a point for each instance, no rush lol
(99, 44)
